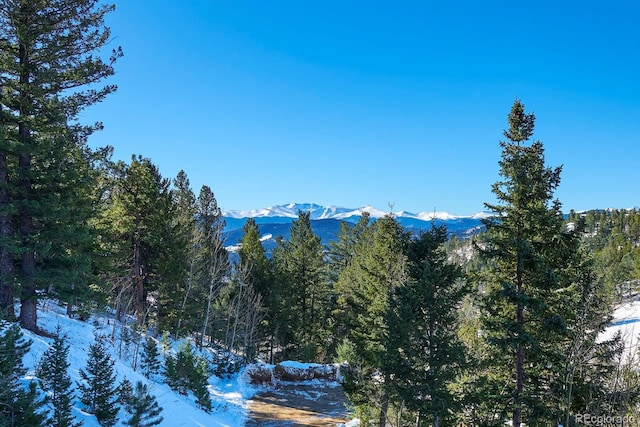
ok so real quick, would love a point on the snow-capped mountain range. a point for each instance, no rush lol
(276, 221)
(335, 212)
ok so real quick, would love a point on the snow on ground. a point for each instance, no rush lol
(229, 396)
(626, 320)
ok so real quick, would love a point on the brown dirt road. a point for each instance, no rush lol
(299, 405)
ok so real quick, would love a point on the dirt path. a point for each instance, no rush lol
(296, 405)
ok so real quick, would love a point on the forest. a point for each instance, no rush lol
(431, 329)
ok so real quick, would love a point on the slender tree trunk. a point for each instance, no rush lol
(384, 404)
(517, 395)
(71, 302)
(28, 300)
(206, 314)
(236, 320)
(418, 418)
(138, 274)
(28, 308)
(6, 233)
(186, 297)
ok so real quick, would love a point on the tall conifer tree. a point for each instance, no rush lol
(212, 263)
(253, 256)
(522, 319)
(426, 353)
(176, 294)
(365, 288)
(304, 289)
(48, 57)
(256, 271)
(140, 215)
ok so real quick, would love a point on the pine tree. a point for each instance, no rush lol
(179, 368)
(140, 215)
(253, 260)
(199, 384)
(188, 372)
(144, 410)
(48, 57)
(522, 319)
(350, 240)
(304, 289)
(125, 391)
(589, 361)
(253, 256)
(98, 391)
(426, 353)
(212, 258)
(365, 290)
(55, 380)
(27, 409)
(175, 295)
(150, 362)
(18, 407)
(344, 247)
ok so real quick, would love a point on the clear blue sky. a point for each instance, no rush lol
(352, 103)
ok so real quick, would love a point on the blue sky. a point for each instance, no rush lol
(357, 103)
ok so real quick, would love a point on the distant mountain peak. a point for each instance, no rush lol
(290, 210)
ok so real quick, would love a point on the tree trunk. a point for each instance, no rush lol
(517, 394)
(138, 275)
(384, 405)
(206, 314)
(186, 296)
(6, 256)
(28, 300)
(28, 308)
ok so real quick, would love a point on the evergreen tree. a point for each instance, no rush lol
(27, 409)
(125, 391)
(70, 259)
(140, 212)
(365, 290)
(179, 368)
(144, 410)
(342, 249)
(252, 255)
(523, 323)
(590, 362)
(48, 57)
(98, 391)
(200, 385)
(175, 295)
(150, 362)
(304, 290)
(55, 380)
(18, 407)
(426, 353)
(256, 273)
(349, 241)
(212, 259)
(187, 372)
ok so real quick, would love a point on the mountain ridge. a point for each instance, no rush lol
(275, 221)
(317, 211)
